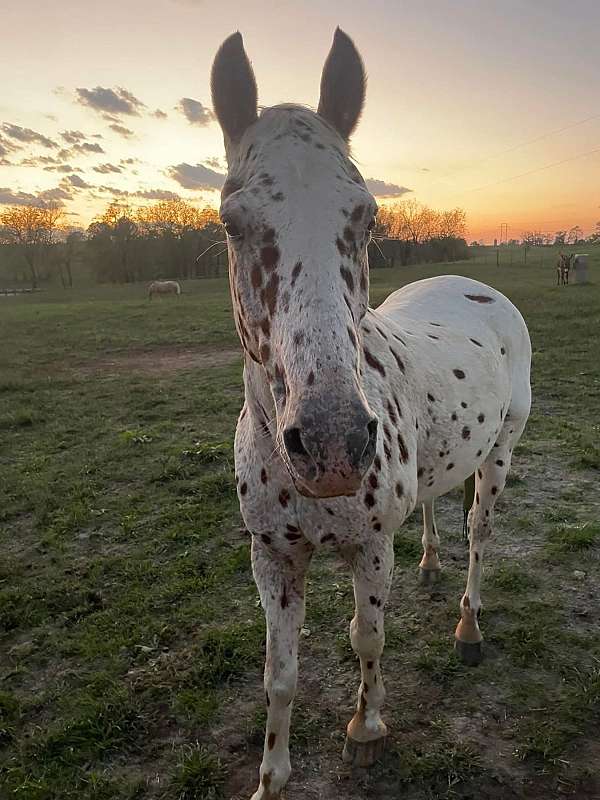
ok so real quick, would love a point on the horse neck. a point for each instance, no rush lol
(259, 399)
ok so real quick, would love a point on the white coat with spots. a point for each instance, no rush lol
(352, 415)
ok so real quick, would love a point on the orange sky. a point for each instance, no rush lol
(462, 98)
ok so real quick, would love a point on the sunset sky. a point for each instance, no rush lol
(464, 98)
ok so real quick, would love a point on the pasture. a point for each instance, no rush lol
(131, 636)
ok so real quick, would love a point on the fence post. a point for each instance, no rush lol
(497, 258)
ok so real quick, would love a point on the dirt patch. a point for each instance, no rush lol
(163, 360)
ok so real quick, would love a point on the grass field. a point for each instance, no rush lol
(131, 637)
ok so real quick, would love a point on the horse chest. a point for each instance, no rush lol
(273, 510)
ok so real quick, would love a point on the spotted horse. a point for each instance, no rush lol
(352, 415)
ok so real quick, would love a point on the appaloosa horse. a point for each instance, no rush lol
(352, 415)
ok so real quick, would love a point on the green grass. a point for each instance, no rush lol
(130, 628)
(573, 538)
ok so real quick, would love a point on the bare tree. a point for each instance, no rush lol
(31, 229)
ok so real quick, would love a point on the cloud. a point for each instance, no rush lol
(26, 135)
(196, 177)
(76, 181)
(88, 147)
(62, 168)
(107, 168)
(36, 161)
(385, 189)
(214, 162)
(195, 112)
(121, 130)
(157, 194)
(72, 137)
(129, 161)
(110, 101)
(56, 196)
(10, 198)
(158, 114)
(114, 191)
(7, 146)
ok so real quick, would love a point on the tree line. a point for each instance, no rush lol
(571, 236)
(173, 239)
(410, 232)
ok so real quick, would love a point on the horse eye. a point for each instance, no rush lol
(232, 230)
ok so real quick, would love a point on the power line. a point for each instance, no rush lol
(518, 146)
(532, 171)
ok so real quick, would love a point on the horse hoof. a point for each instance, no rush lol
(470, 653)
(363, 754)
(427, 577)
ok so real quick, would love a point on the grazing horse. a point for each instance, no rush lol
(563, 266)
(352, 415)
(163, 287)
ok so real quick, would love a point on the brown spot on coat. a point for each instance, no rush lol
(284, 497)
(357, 214)
(459, 374)
(480, 298)
(256, 277)
(265, 352)
(269, 257)
(397, 359)
(269, 293)
(271, 740)
(403, 449)
(348, 278)
(374, 362)
(296, 272)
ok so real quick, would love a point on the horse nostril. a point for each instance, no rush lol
(372, 428)
(293, 442)
(361, 443)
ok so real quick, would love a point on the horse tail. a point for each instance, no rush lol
(469, 496)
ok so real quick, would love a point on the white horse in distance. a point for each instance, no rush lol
(163, 287)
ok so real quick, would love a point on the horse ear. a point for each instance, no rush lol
(233, 88)
(343, 85)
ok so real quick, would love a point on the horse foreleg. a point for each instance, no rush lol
(430, 567)
(372, 569)
(281, 587)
